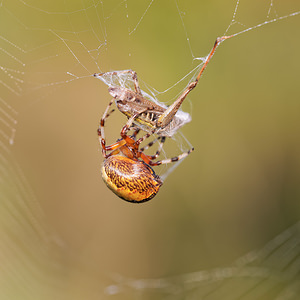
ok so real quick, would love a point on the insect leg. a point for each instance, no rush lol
(170, 112)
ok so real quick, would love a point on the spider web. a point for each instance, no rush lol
(269, 273)
(63, 233)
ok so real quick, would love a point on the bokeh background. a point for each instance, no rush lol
(63, 230)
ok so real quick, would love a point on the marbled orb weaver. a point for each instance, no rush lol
(150, 116)
(127, 170)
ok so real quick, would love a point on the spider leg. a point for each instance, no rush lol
(150, 144)
(135, 133)
(170, 112)
(140, 140)
(161, 143)
(109, 113)
(169, 160)
(127, 127)
(113, 152)
(101, 133)
(115, 146)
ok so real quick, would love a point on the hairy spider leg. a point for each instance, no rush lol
(170, 112)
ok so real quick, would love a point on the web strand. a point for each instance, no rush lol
(49, 164)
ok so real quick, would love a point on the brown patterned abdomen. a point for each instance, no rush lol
(131, 180)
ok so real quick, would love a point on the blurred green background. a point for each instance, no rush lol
(240, 187)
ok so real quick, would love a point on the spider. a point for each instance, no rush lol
(165, 121)
(127, 170)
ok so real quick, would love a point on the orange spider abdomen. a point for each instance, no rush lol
(131, 180)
